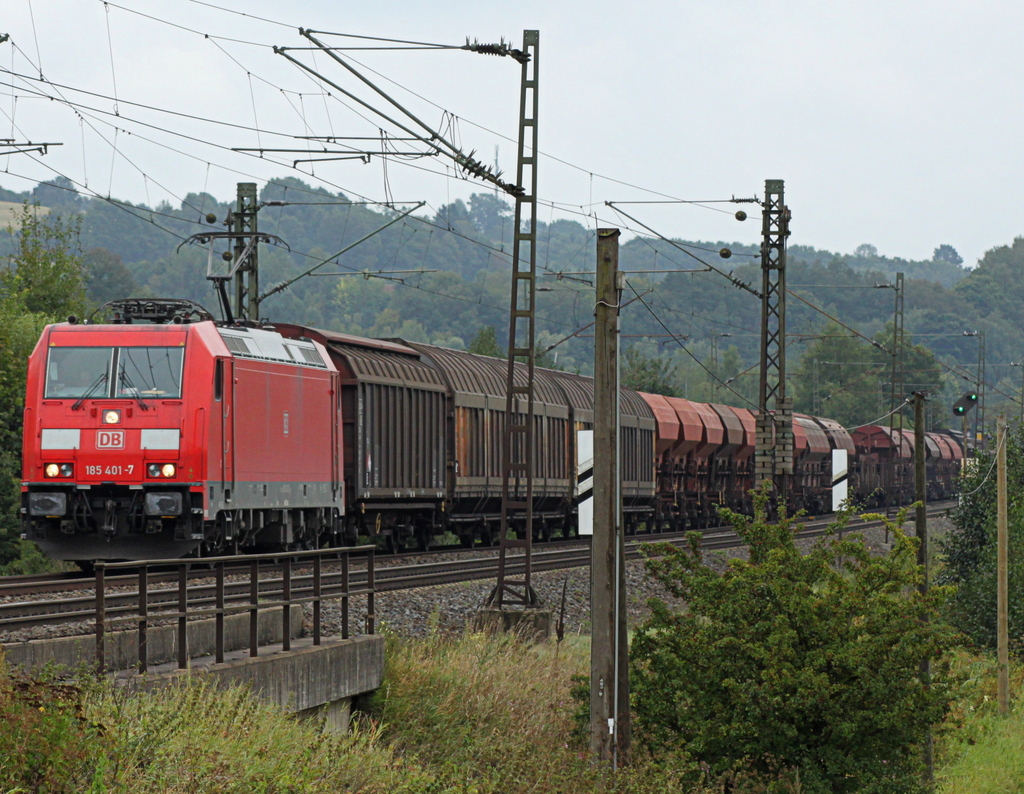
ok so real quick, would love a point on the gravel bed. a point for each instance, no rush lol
(450, 608)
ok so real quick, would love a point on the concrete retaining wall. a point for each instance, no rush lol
(304, 678)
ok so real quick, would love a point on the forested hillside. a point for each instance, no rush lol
(442, 276)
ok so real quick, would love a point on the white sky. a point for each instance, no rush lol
(893, 123)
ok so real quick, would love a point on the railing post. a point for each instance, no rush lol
(220, 613)
(316, 600)
(143, 617)
(286, 616)
(371, 621)
(254, 610)
(182, 617)
(101, 617)
(344, 596)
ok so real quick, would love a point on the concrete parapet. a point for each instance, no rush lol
(121, 647)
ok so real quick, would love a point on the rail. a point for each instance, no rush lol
(313, 589)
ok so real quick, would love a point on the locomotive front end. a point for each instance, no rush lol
(105, 472)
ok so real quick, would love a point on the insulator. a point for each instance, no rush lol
(725, 253)
(487, 49)
(741, 215)
(227, 256)
(211, 218)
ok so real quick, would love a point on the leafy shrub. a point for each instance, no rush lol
(794, 666)
(970, 550)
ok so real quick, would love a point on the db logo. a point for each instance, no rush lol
(109, 439)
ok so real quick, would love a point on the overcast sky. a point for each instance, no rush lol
(892, 123)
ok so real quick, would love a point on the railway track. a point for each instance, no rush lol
(121, 591)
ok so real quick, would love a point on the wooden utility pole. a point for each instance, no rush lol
(921, 527)
(609, 658)
(1001, 574)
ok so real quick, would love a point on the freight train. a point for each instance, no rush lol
(162, 433)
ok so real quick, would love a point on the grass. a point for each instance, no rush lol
(466, 715)
(982, 752)
(490, 714)
(469, 715)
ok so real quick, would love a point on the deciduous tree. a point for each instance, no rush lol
(41, 283)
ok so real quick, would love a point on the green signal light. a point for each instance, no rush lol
(965, 403)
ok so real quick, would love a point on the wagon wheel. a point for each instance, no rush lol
(424, 537)
(395, 543)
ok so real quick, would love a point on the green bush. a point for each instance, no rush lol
(790, 665)
(970, 549)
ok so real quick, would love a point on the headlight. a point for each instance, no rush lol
(163, 504)
(112, 417)
(161, 469)
(59, 470)
(52, 470)
(66, 470)
(168, 470)
(47, 504)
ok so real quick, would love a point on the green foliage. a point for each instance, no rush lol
(485, 343)
(41, 283)
(46, 271)
(791, 664)
(848, 379)
(947, 253)
(107, 277)
(970, 549)
(47, 743)
(648, 374)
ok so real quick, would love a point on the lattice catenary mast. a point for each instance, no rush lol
(517, 463)
(773, 456)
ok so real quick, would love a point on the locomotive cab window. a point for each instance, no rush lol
(149, 372)
(107, 372)
(77, 372)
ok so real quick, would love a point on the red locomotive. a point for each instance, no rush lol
(162, 433)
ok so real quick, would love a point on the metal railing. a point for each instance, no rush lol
(235, 596)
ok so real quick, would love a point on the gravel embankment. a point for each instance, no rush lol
(450, 608)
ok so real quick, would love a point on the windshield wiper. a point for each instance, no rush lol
(89, 392)
(126, 381)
